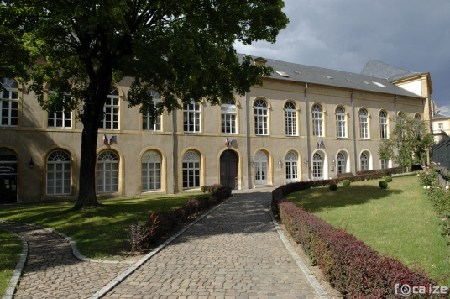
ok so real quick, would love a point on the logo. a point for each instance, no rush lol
(406, 289)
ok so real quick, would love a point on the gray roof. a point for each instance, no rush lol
(310, 74)
(380, 69)
(439, 115)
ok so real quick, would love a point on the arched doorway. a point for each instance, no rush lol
(229, 169)
(8, 176)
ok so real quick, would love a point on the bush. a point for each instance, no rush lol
(427, 178)
(388, 178)
(382, 184)
(346, 183)
(333, 187)
(353, 268)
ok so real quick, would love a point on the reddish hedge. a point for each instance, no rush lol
(352, 267)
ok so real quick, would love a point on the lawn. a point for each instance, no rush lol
(10, 249)
(398, 222)
(101, 231)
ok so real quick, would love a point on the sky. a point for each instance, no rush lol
(345, 34)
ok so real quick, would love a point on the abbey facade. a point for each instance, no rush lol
(303, 123)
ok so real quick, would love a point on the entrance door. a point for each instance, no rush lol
(229, 169)
(8, 176)
(261, 168)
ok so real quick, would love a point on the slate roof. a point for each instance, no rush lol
(380, 69)
(439, 115)
(311, 74)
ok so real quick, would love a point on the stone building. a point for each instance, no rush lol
(303, 123)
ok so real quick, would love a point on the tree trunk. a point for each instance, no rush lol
(98, 89)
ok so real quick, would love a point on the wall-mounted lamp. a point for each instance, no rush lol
(333, 162)
(280, 163)
(31, 163)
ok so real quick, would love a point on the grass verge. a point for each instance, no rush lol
(10, 249)
(398, 222)
(100, 231)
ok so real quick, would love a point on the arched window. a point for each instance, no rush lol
(9, 102)
(317, 171)
(8, 175)
(191, 170)
(111, 111)
(383, 125)
(59, 173)
(151, 171)
(291, 166)
(341, 160)
(261, 117)
(229, 116)
(363, 124)
(290, 119)
(341, 131)
(317, 120)
(364, 161)
(261, 168)
(192, 115)
(152, 122)
(108, 172)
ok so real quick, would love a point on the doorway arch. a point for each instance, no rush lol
(8, 176)
(229, 162)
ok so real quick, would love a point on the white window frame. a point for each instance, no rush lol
(229, 117)
(383, 120)
(261, 163)
(151, 171)
(261, 117)
(341, 123)
(364, 162)
(291, 166)
(317, 166)
(108, 172)
(59, 173)
(384, 164)
(290, 119)
(317, 120)
(60, 119)
(9, 103)
(192, 116)
(363, 116)
(341, 162)
(191, 169)
(146, 119)
(111, 111)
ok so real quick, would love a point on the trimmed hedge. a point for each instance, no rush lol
(160, 224)
(352, 267)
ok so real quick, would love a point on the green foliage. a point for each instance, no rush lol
(408, 143)
(388, 178)
(428, 178)
(333, 187)
(382, 184)
(346, 183)
(10, 249)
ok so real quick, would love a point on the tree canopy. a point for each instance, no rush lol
(181, 48)
(409, 142)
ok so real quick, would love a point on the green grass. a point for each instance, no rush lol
(10, 249)
(398, 222)
(101, 231)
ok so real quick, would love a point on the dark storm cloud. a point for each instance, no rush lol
(345, 34)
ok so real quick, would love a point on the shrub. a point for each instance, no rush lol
(346, 183)
(427, 178)
(353, 268)
(382, 184)
(333, 187)
(388, 178)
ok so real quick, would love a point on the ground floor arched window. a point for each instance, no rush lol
(59, 173)
(317, 166)
(261, 163)
(364, 161)
(341, 160)
(108, 172)
(8, 176)
(291, 166)
(191, 170)
(151, 171)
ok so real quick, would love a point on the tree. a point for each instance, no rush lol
(181, 48)
(409, 143)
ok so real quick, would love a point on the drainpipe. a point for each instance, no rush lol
(355, 154)
(174, 153)
(308, 134)
(248, 143)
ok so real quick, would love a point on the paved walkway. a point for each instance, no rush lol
(234, 252)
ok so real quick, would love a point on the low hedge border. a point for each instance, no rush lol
(160, 224)
(352, 267)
